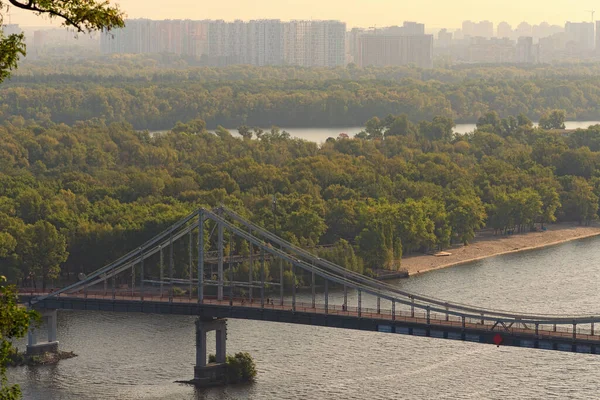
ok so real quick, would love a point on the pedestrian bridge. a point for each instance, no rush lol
(216, 264)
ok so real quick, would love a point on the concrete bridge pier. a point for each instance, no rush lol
(208, 374)
(51, 346)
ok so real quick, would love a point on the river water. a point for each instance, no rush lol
(320, 135)
(136, 356)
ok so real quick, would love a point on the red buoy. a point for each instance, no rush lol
(498, 339)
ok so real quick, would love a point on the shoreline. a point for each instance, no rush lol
(486, 245)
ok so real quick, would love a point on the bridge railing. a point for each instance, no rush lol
(433, 319)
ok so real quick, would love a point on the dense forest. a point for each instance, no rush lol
(155, 93)
(73, 198)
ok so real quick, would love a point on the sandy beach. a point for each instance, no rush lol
(487, 245)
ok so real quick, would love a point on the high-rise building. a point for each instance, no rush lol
(525, 52)
(413, 28)
(504, 30)
(296, 40)
(353, 45)
(581, 34)
(524, 29)
(265, 42)
(384, 50)
(444, 38)
(478, 29)
(598, 36)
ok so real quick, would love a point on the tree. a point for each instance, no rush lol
(555, 119)
(43, 251)
(466, 214)
(578, 200)
(550, 201)
(374, 128)
(83, 16)
(245, 132)
(14, 323)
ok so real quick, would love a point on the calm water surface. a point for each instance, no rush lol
(320, 135)
(134, 356)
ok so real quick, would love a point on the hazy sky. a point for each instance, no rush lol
(434, 13)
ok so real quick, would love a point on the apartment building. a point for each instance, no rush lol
(383, 50)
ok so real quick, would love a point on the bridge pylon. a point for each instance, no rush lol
(214, 373)
(34, 347)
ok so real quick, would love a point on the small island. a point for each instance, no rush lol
(239, 368)
(18, 359)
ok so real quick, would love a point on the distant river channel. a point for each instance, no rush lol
(138, 357)
(320, 135)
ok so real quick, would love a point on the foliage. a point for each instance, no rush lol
(240, 367)
(156, 92)
(73, 198)
(14, 323)
(553, 120)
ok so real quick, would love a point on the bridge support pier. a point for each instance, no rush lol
(51, 346)
(209, 374)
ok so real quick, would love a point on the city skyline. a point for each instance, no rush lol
(355, 13)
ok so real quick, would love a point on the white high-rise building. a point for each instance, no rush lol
(525, 50)
(315, 43)
(265, 42)
(581, 34)
(295, 43)
(216, 42)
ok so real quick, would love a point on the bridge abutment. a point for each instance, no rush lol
(209, 374)
(51, 345)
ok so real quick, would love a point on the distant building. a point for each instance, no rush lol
(485, 51)
(598, 37)
(413, 28)
(353, 45)
(11, 29)
(444, 39)
(483, 29)
(581, 34)
(504, 30)
(220, 43)
(524, 29)
(386, 50)
(525, 50)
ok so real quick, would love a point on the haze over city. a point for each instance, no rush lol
(356, 13)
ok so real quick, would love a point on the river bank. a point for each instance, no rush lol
(487, 245)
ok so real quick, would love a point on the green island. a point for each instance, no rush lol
(18, 359)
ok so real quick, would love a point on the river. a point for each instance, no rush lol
(320, 135)
(136, 356)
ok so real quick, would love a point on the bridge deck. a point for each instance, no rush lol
(402, 321)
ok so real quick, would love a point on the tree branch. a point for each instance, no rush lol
(32, 7)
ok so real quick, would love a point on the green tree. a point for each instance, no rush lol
(550, 203)
(467, 214)
(578, 200)
(14, 323)
(555, 119)
(82, 15)
(43, 251)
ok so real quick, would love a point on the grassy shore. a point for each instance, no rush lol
(487, 245)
